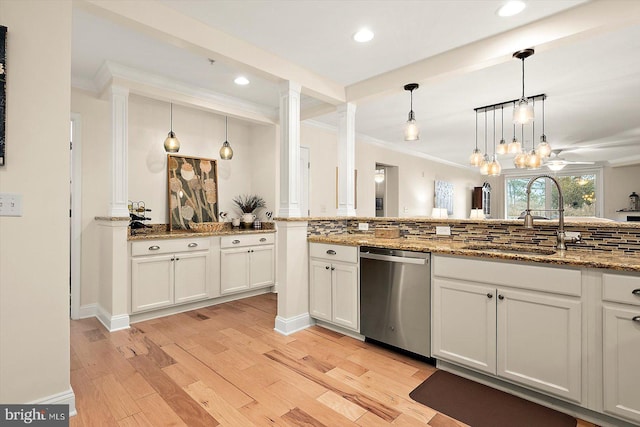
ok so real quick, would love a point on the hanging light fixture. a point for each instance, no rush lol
(484, 166)
(226, 153)
(503, 147)
(544, 149)
(533, 160)
(494, 166)
(171, 144)
(411, 130)
(523, 111)
(520, 161)
(476, 156)
(514, 146)
(378, 177)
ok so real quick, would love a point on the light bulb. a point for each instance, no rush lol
(476, 158)
(514, 147)
(523, 112)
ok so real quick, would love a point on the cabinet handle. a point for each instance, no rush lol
(177, 259)
(636, 318)
(489, 295)
(331, 252)
(264, 239)
(636, 292)
(251, 250)
(192, 245)
(235, 242)
(501, 297)
(333, 268)
(327, 267)
(154, 248)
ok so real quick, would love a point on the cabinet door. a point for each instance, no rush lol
(539, 342)
(345, 298)
(191, 275)
(234, 270)
(151, 282)
(320, 289)
(464, 324)
(622, 362)
(261, 271)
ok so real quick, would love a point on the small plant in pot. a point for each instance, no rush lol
(247, 205)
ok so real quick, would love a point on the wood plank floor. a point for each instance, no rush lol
(224, 365)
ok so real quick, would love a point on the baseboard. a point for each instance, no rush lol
(293, 324)
(112, 323)
(88, 310)
(65, 398)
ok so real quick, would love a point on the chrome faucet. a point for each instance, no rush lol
(528, 219)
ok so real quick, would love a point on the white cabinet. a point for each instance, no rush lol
(167, 272)
(333, 284)
(246, 262)
(487, 317)
(621, 346)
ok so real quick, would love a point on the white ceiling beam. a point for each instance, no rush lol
(164, 23)
(564, 27)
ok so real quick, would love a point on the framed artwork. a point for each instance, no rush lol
(193, 192)
(3, 91)
(444, 196)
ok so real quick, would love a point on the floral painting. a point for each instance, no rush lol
(444, 196)
(193, 191)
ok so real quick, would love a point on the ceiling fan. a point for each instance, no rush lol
(556, 163)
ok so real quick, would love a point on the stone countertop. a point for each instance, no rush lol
(576, 258)
(177, 234)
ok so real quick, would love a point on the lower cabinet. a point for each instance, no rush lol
(333, 285)
(246, 262)
(529, 337)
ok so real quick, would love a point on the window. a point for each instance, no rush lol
(580, 190)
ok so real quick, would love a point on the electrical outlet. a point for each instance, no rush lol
(572, 234)
(443, 230)
(10, 204)
(363, 226)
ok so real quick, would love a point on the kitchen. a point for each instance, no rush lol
(156, 112)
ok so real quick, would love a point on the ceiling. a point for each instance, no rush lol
(592, 79)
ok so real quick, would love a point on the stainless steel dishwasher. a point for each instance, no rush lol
(395, 298)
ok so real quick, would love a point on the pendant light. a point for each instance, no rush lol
(523, 111)
(226, 153)
(476, 156)
(494, 167)
(411, 130)
(378, 177)
(484, 166)
(503, 147)
(533, 160)
(520, 161)
(544, 149)
(514, 146)
(171, 144)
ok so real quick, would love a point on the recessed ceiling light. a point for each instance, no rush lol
(364, 35)
(511, 8)
(241, 80)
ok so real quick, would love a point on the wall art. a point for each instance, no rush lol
(3, 92)
(193, 192)
(444, 196)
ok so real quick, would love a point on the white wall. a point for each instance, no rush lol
(619, 183)
(417, 177)
(34, 248)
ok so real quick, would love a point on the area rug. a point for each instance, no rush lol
(481, 406)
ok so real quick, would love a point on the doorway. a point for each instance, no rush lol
(386, 182)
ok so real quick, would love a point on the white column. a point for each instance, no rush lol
(119, 99)
(289, 150)
(346, 159)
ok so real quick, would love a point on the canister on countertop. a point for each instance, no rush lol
(634, 202)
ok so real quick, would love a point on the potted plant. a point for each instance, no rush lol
(247, 206)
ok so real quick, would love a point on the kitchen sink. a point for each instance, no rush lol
(510, 249)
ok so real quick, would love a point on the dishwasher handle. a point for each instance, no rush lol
(391, 258)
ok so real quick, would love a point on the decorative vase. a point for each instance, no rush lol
(247, 220)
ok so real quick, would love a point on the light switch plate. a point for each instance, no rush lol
(363, 226)
(10, 204)
(443, 231)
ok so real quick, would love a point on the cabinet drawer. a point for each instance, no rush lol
(247, 240)
(621, 288)
(165, 246)
(334, 252)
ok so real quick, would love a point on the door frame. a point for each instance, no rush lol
(75, 232)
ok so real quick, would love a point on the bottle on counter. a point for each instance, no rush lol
(634, 202)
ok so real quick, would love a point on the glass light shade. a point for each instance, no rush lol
(543, 149)
(523, 112)
(533, 161)
(411, 130)
(226, 153)
(520, 161)
(494, 167)
(556, 165)
(171, 144)
(476, 158)
(484, 167)
(379, 176)
(514, 147)
(502, 148)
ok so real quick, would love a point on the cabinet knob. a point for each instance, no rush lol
(636, 318)
(264, 239)
(500, 297)
(333, 268)
(177, 259)
(235, 242)
(154, 248)
(327, 267)
(192, 245)
(331, 252)
(636, 292)
(489, 295)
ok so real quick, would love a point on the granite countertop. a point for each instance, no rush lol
(152, 234)
(577, 258)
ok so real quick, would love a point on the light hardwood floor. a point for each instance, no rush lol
(224, 365)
